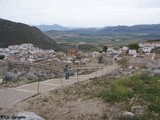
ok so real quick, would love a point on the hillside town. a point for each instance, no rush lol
(31, 54)
(146, 55)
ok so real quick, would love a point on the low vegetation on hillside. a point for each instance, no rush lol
(145, 88)
(101, 99)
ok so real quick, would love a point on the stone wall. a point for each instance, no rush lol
(38, 69)
(3, 68)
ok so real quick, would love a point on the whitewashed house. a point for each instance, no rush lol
(125, 48)
(132, 52)
(148, 48)
(112, 51)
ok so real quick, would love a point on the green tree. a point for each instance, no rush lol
(133, 46)
(105, 48)
(1, 57)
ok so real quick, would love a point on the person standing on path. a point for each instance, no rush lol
(66, 71)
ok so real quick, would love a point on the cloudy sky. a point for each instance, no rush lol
(81, 13)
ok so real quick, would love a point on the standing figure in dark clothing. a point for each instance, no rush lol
(66, 71)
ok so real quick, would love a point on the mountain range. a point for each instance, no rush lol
(52, 27)
(138, 32)
(12, 33)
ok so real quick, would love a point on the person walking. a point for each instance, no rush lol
(66, 71)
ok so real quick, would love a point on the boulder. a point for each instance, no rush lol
(80, 72)
(113, 73)
(31, 76)
(27, 116)
(23, 78)
(156, 71)
(137, 68)
(137, 110)
(9, 76)
(126, 73)
(54, 75)
(130, 67)
(127, 115)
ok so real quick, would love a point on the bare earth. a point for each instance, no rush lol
(75, 102)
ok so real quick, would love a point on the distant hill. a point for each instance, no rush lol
(148, 29)
(12, 33)
(52, 27)
(136, 32)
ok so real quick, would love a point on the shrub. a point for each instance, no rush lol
(1, 57)
(141, 117)
(154, 107)
(116, 93)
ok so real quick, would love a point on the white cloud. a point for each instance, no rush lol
(81, 12)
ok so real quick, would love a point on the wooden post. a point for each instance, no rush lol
(61, 76)
(61, 80)
(96, 70)
(88, 70)
(77, 74)
(38, 87)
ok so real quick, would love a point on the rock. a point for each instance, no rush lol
(120, 69)
(143, 70)
(22, 116)
(54, 75)
(149, 70)
(113, 73)
(9, 76)
(133, 100)
(80, 72)
(156, 71)
(149, 66)
(130, 67)
(22, 78)
(117, 76)
(137, 68)
(66, 112)
(132, 70)
(126, 73)
(137, 110)
(28, 116)
(31, 76)
(127, 114)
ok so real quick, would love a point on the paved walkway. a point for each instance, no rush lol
(11, 96)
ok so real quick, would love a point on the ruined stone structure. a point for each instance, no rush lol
(38, 69)
(3, 68)
(72, 52)
(20, 68)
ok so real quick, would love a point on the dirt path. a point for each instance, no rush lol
(11, 96)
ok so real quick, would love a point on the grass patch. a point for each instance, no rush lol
(116, 93)
(143, 86)
(143, 117)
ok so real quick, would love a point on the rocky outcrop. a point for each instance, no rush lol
(29, 116)
(127, 115)
(9, 76)
(31, 76)
(22, 116)
(138, 110)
